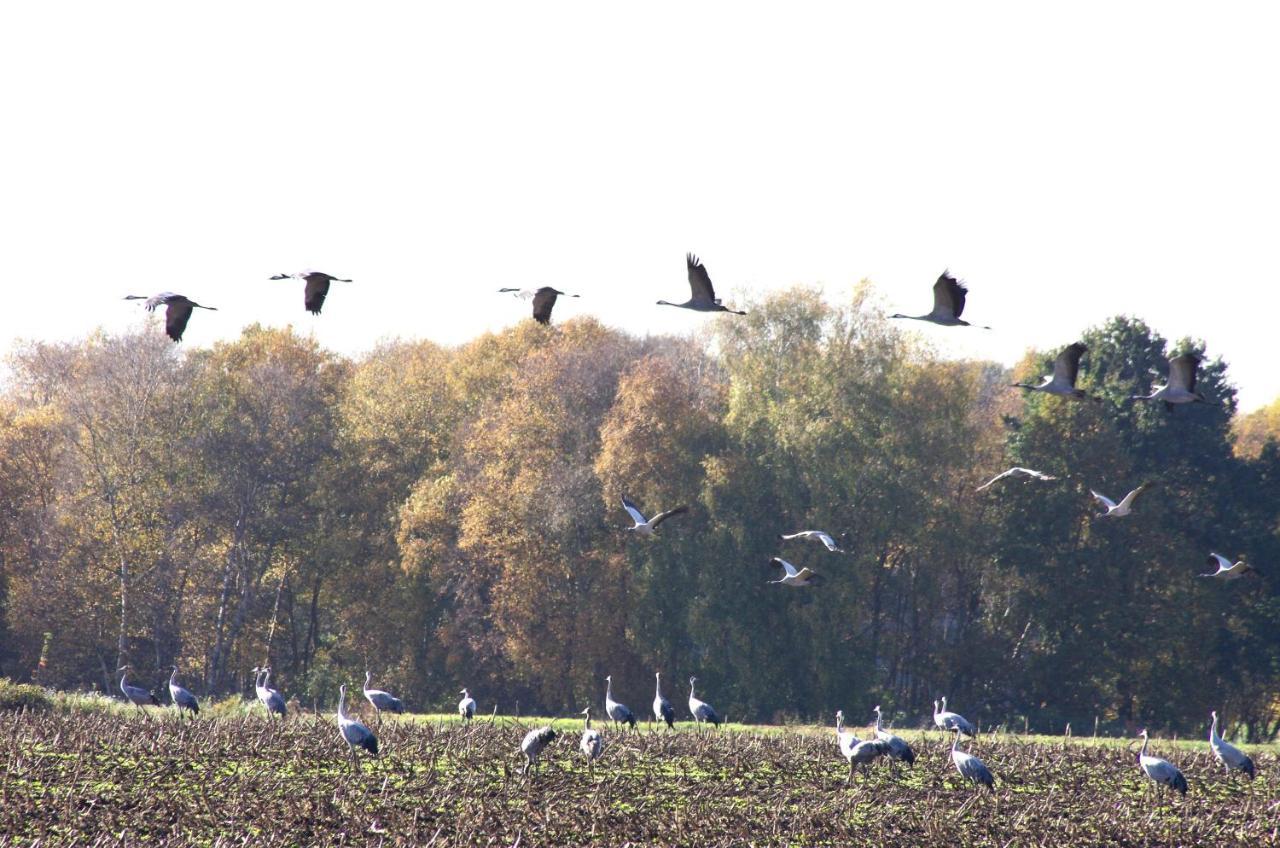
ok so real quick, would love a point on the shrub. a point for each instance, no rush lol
(19, 697)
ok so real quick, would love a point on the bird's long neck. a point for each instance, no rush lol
(123, 675)
(839, 724)
(690, 688)
(944, 704)
(368, 675)
(955, 742)
(657, 686)
(1213, 730)
(1143, 752)
(342, 703)
(608, 690)
(173, 678)
(667, 303)
(935, 709)
(877, 721)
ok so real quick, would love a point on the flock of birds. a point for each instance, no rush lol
(949, 295)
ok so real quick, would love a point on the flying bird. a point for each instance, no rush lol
(816, 535)
(948, 304)
(703, 296)
(316, 290)
(1180, 387)
(1017, 471)
(544, 300)
(177, 313)
(1062, 381)
(1231, 757)
(644, 526)
(1161, 771)
(791, 577)
(1228, 570)
(1119, 510)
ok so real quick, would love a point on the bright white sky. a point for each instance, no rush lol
(1069, 162)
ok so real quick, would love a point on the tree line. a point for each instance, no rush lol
(450, 516)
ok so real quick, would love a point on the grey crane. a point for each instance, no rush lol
(1118, 510)
(793, 577)
(662, 709)
(1180, 387)
(857, 751)
(181, 697)
(317, 287)
(271, 699)
(1163, 772)
(647, 526)
(1231, 757)
(177, 312)
(1017, 471)
(702, 296)
(544, 300)
(1062, 382)
(354, 733)
(136, 695)
(947, 720)
(1227, 570)
(813, 535)
(701, 710)
(592, 743)
(970, 767)
(899, 750)
(467, 706)
(620, 713)
(381, 700)
(533, 744)
(948, 304)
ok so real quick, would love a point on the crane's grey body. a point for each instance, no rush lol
(662, 709)
(647, 526)
(947, 720)
(948, 304)
(1017, 471)
(181, 697)
(702, 296)
(702, 711)
(135, 695)
(316, 289)
(381, 700)
(970, 767)
(1062, 382)
(354, 733)
(620, 713)
(178, 309)
(467, 706)
(816, 536)
(271, 699)
(857, 751)
(592, 743)
(1227, 570)
(1163, 772)
(899, 750)
(1180, 387)
(533, 744)
(793, 577)
(1231, 757)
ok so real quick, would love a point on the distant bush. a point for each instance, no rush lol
(16, 697)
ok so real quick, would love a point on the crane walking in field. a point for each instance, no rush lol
(1017, 471)
(1231, 757)
(662, 709)
(970, 767)
(381, 700)
(181, 697)
(947, 720)
(857, 751)
(899, 750)
(467, 706)
(1228, 570)
(1062, 381)
(647, 526)
(544, 300)
(701, 710)
(136, 695)
(533, 743)
(1181, 385)
(1163, 772)
(355, 734)
(620, 713)
(591, 744)
(814, 535)
(317, 288)
(1118, 510)
(177, 313)
(702, 296)
(271, 699)
(948, 304)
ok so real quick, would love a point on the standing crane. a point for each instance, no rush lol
(1062, 381)
(136, 695)
(271, 699)
(1163, 772)
(702, 297)
(1181, 385)
(947, 720)
(177, 312)
(317, 288)
(533, 743)
(899, 750)
(381, 700)
(591, 744)
(181, 697)
(662, 709)
(948, 304)
(1231, 757)
(355, 734)
(857, 751)
(702, 711)
(467, 706)
(620, 713)
(970, 767)
(544, 300)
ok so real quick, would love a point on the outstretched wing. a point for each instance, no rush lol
(786, 566)
(634, 510)
(948, 296)
(1000, 476)
(699, 280)
(806, 575)
(829, 542)
(663, 516)
(1182, 371)
(1067, 365)
(543, 301)
(316, 291)
(1133, 496)
(176, 317)
(1106, 501)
